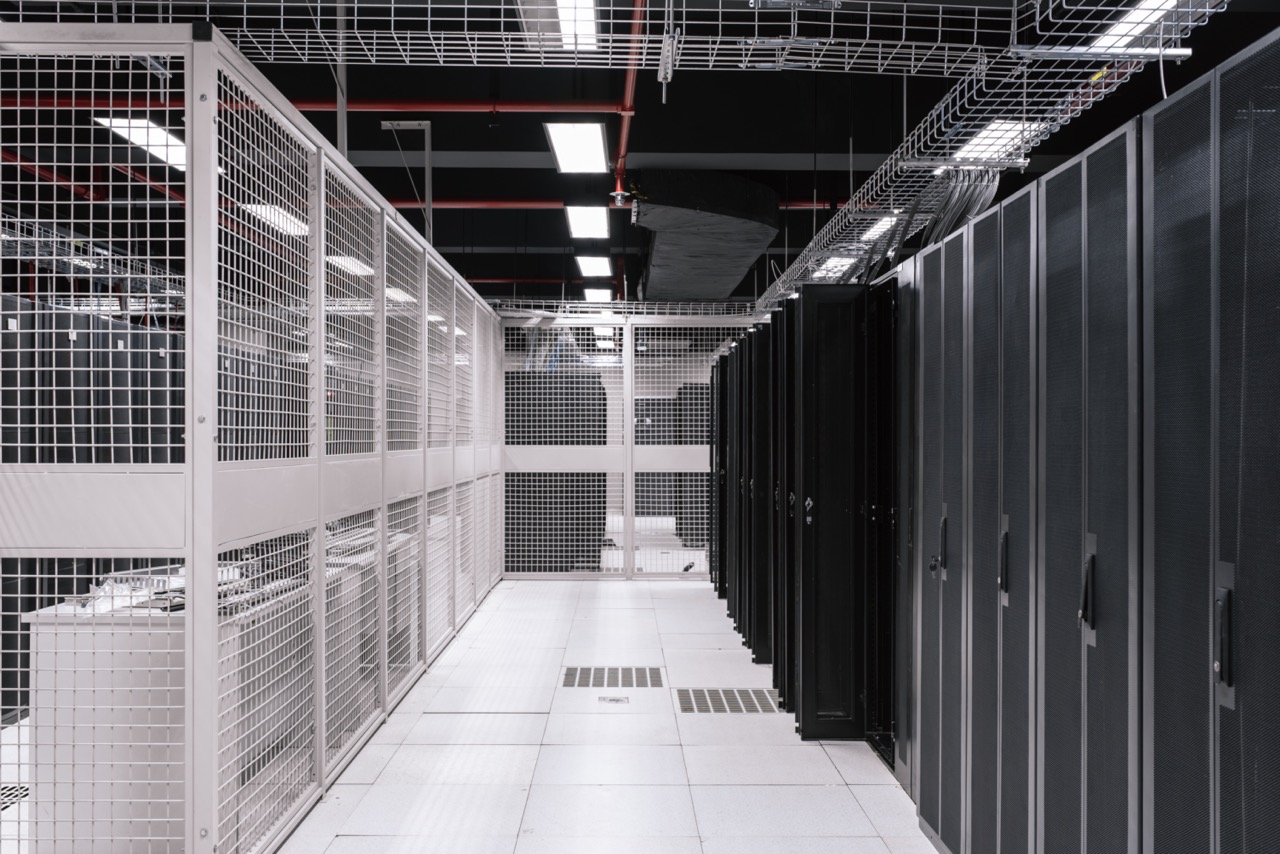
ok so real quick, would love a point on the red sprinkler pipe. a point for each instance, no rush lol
(628, 97)
(31, 167)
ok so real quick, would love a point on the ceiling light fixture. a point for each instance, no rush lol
(998, 140)
(603, 331)
(577, 24)
(833, 268)
(595, 266)
(278, 218)
(397, 295)
(878, 229)
(587, 222)
(1134, 23)
(434, 318)
(597, 295)
(349, 264)
(578, 146)
(145, 133)
(459, 333)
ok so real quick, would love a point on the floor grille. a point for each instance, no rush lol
(11, 794)
(727, 700)
(612, 677)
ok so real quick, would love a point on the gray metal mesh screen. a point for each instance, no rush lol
(464, 377)
(264, 269)
(350, 322)
(266, 687)
(406, 271)
(404, 591)
(440, 366)
(92, 254)
(564, 522)
(464, 584)
(439, 585)
(351, 660)
(671, 521)
(563, 386)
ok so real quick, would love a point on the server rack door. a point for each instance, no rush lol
(830, 594)
(733, 471)
(933, 517)
(1017, 519)
(1246, 585)
(906, 624)
(778, 517)
(987, 537)
(794, 518)
(715, 504)
(761, 638)
(1178, 556)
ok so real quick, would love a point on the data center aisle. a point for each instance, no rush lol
(492, 754)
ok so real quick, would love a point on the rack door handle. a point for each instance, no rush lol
(1002, 578)
(1085, 614)
(939, 561)
(1222, 638)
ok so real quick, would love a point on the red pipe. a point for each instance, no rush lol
(628, 97)
(89, 102)
(556, 204)
(158, 186)
(33, 168)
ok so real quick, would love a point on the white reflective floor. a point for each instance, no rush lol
(490, 755)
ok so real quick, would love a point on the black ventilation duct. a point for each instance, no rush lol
(708, 229)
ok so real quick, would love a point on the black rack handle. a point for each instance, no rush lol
(1222, 638)
(1085, 614)
(939, 561)
(1002, 579)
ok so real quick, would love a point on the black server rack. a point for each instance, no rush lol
(906, 391)
(733, 474)
(783, 521)
(715, 483)
(66, 393)
(1089, 530)
(743, 506)
(1211, 762)
(760, 491)
(112, 390)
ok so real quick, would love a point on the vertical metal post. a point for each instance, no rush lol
(382, 570)
(427, 228)
(628, 449)
(201, 677)
(319, 435)
(340, 78)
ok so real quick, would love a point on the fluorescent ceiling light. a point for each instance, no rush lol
(349, 264)
(833, 268)
(149, 135)
(603, 331)
(878, 229)
(595, 266)
(80, 262)
(434, 318)
(397, 295)
(577, 24)
(578, 146)
(278, 218)
(459, 332)
(585, 222)
(1134, 22)
(605, 345)
(597, 295)
(997, 141)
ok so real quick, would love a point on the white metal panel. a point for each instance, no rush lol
(255, 501)
(82, 510)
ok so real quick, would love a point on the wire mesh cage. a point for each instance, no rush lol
(464, 583)
(404, 592)
(464, 374)
(440, 362)
(439, 583)
(559, 522)
(406, 271)
(672, 522)
(564, 385)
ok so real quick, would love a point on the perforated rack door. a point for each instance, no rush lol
(405, 278)
(266, 687)
(92, 250)
(264, 273)
(352, 247)
(351, 655)
(439, 604)
(439, 356)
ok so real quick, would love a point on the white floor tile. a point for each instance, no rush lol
(858, 764)
(778, 811)
(326, 819)
(738, 729)
(396, 728)
(601, 764)
(478, 729)
(461, 764)
(794, 845)
(589, 701)
(492, 699)
(656, 729)
(604, 656)
(368, 764)
(715, 668)
(677, 622)
(420, 845)
(629, 613)
(890, 810)
(721, 765)
(602, 810)
(448, 812)
(718, 640)
(910, 845)
(609, 845)
(518, 676)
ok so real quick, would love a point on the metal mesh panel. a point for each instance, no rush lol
(439, 357)
(91, 681)
(673, 382)
(351, 262)
(464, 583)
(497, 529)
(464, 371)
(671, 525)
(350, 627)
(92, 254)
(985, 519)
(1181, 554)
(563, 385)
(264, 267)
(404, 591)
(439, 604)
(558, 522)
(406, 271)
(484, 378)
(1063, 537)
(266, 687)
(483, 535)
(1249, 407)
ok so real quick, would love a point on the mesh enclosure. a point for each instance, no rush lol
(350, 321)
(350, 627)
(672, 371)
(440, 364)
(92, 665)
(671, 523)
(404, 592)
(560, 522)
(1063, 497)
(483, 378)
(439, 584)
(464, 582)
(563, 385)
(464, 378)
(264, 269)
(92, 256)
(406, 274)
(266, 687)
(483, 535)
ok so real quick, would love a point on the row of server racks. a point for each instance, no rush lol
(1096, 608)
(806, 479)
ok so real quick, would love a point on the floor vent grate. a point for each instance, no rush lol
(11, 794)
(612, 677)
(727, 700)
